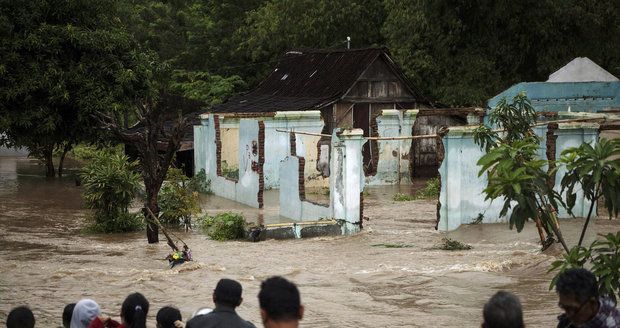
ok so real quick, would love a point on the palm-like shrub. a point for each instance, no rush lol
(110, 184)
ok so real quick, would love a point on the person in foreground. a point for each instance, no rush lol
(133, 314)
(20, 317)
(169, 317)
(579, 298)
(503, 310)
(226, 296)
(280, 303)
(84, 312)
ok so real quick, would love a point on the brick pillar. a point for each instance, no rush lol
(347, 178)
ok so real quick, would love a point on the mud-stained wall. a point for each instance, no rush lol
(462, 198)
(278, 145)
(346, 184)
(248, 189)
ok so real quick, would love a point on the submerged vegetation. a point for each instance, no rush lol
(448, 244)
(110, 184)
(389, 245)
(399, 197)
(430, 190)
(224, 226)
(177, 202)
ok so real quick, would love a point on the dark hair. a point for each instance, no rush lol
(20, 317)
(134, 310)
(279, 298)
(580, 283)
(228, 292)
(503, 310)
(66, 314)
(167, 315)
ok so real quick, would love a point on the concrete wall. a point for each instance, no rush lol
(248, 189)
(278, 145)
(393, 165)
(589, 97)
(462, 197)
(346, 184)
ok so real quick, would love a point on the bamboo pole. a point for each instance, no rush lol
(164, 231)
(424, 136)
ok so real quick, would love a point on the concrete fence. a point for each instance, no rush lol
(462, 198)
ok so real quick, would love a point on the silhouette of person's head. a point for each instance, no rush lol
(280, 302)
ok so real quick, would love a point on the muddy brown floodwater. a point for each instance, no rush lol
(349, 281)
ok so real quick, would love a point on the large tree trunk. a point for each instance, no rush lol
(152, 230)
(62, 159)
(48, 155)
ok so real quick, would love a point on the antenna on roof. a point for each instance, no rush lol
(348, 42)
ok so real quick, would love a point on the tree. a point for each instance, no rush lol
(463, 52)
(163, 120)
(61, 62)
(282, 25)
(595, 169)
(514, 172)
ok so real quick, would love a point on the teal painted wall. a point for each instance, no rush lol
(554, 97)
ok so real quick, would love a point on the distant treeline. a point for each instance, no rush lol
(458, 52)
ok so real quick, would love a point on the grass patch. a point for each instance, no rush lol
(448, 244)
(402, 197)
(388, 245)
(224, 226)
(431, 189)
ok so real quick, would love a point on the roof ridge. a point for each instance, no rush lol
(301, 51)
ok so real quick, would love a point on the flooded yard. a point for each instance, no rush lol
(346, 281)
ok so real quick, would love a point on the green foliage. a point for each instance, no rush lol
(177, 202)
(61, 62)
(110, 184)
(122, 222)
(230, 171)
(224, 226)
(281, 25)
(85, 152)
(515, 118)
(513, 169)
(462, 52)
(212, 89)
(398, 197)
(603, 258)
(596, 171)
(200, 183)
(448, 244)
(430, 191)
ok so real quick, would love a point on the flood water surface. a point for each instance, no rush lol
(347, 281)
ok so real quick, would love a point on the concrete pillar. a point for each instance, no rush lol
(347, 178)
(406, 129)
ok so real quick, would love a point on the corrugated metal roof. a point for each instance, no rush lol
(308, 79)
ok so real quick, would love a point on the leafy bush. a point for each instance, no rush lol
(224, 226)
(200, 183)
(402, 197)
(122, 222)
(603, 257)
(88, 152)
(431, 190)
(176, 201)
(110, 184)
